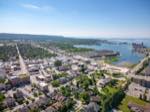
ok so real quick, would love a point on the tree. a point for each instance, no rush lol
(2, 97)
(84, 82)
(140, 97)
(82, 69)
(55, 83)
(144, 97)
(68, 104)
(113, 82)
(84, 97)
(76, 95)
(2, 80)
(66, 91)
(112, 100)
(58, 63)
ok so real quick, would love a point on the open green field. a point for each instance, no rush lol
(129, 99)
(110, 60)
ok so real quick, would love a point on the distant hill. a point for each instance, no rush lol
(9, 36)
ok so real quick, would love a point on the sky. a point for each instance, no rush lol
(77, 18)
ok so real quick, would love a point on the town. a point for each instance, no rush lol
(74, 55)
(36, 77)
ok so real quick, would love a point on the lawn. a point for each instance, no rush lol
(110, 60)
(108, 90)
(124, 104)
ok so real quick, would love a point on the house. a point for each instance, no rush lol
(24, 109)
(74, 67)
(42, 101)
(92, 107)
(18, 80)
(2, 74)
(7, 69)
(2, 86)
(32, 106)
(135, 108)
(9, 102)
(50, 109)
(8, 87)
(63, 80)
(40, 78)
(59, 97)
(14, 80)
(138, 108)
(103, 82)
(48, 77)
(19, 96)
(55, 107)
(90, 68)
(146, 72)
(33, 70)
(95, 99)
(24, 78)
(63, 68)
(43, 86)
(16, 68)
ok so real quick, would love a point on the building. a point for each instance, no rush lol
(14, 80)
(138, 108)
(33, 70)
(9, 102)
(25, 79)
(92, 107)
(55, 107)
(23, 109)
(2, 86)
(43, 86)
(40, 78)
(42, 101)
(103, 82)
(146, 72)
(19, 96)
(18, 80)
(142, 82)
(2, 74)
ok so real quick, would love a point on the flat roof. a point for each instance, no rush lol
(43, 84)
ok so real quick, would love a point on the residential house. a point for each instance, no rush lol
(9, 102)
(92, 107)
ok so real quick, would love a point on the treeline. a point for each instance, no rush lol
(69, 47)
(7, 52)
(30, 52)
(112, 100)
(111, 95)
(45, 38)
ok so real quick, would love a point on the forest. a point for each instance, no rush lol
(30, 52)
(7, 52)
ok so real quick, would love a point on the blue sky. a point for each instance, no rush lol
(77, 18)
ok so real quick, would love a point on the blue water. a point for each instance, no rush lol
(126, 54)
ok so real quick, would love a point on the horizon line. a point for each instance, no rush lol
(79, 37)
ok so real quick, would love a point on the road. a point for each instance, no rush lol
(138, 66)
(146, 78)
(114, 68)
(22, 63)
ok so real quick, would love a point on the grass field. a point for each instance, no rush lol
(112, 59)
(129, 99)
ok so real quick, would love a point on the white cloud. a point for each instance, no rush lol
(37, 7)
(30, 6)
